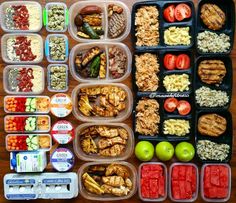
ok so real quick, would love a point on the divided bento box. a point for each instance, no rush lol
(96, 102)
(101, 135)
(100, 62)
(110, 23)
(213, 91)
(213, 136)
(221, 27)
(164, 34)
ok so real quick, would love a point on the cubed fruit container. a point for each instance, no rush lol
(156, 174)
(104, 48)
(78, 6)
(184, 175)
(28, 142)
(216, 181)
(48, 48)
(121, 115)
(12, 55)
(23, 73)
(27, 104)
(47, 12)
(78, 149)
(107, 197)
(34, 13)
(27, 123)
(51, 78)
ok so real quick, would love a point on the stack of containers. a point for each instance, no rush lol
(213, 96)
(99, 62)
(21, 47)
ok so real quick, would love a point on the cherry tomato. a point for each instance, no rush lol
(169, 14)
(170, 104)
(184, 107)
(169, 61)
(182, 11)
(183, 61)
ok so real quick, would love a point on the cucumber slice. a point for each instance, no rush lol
(28, 141)
(27, 109)
(34, 147)
(35, 140)
(33, 103)
(28, 100)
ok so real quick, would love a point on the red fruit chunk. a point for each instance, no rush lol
(215, 176)
(154, 188)
(182, 189)
(222, 192)
(175, 189)
(182, 173)
(188, 190)
(194, 180)
(162, 186)
(189, 173)
(175, 173)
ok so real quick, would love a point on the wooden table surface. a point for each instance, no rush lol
(4, 155)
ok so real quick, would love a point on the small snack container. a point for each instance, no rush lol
(26, 104)
(156, 174)
(56, 17)
(57, 77)
(22, 48)
(84, 174)
(183, 176)
(28, 142)
(57, 48)
(99, 153)
(216, 182)
(63, 132)
(30, 79)
(13, 18)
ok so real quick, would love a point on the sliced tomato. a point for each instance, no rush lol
(169, 14)
(182, 61)
(182, 11)
(170, 104)
(183, 107)
(169, 61)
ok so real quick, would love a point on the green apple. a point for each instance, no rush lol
(164, 151)
(144, 150)
(184, 151)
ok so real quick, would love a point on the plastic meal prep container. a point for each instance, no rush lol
(28, 131)
(45, 16)
(48, 51)
(225, 138)
(195, 195)
(49, 78)
(27, 135)
(27, 97)
(229, 183)
(96, 157)
(76, 7)
(122, 115)
(4, 39)
(87, 195)
(228, 7)
(161, 199)
(6, 4)
(104, 46)
(6, 75)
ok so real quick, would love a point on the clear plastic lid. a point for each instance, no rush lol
(96, 157)
(49, 80)
(104, 46)
(107, 197)
(28, 142)
(76, 7)
(27, 123)
(28, 104)
(202, 183)
(48, 51)
(17, 87)
(122, 115)
(46, 16)
(195, 195)
(35, 15)
(13, 71)
(139, 182)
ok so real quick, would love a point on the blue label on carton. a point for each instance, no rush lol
(20, 181)
(57, 181)
(20, 196)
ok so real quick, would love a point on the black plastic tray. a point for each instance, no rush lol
(164, 116)
(226, 84)
(226, 138)
(161, 91)
(229, 28)
(163, 24)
